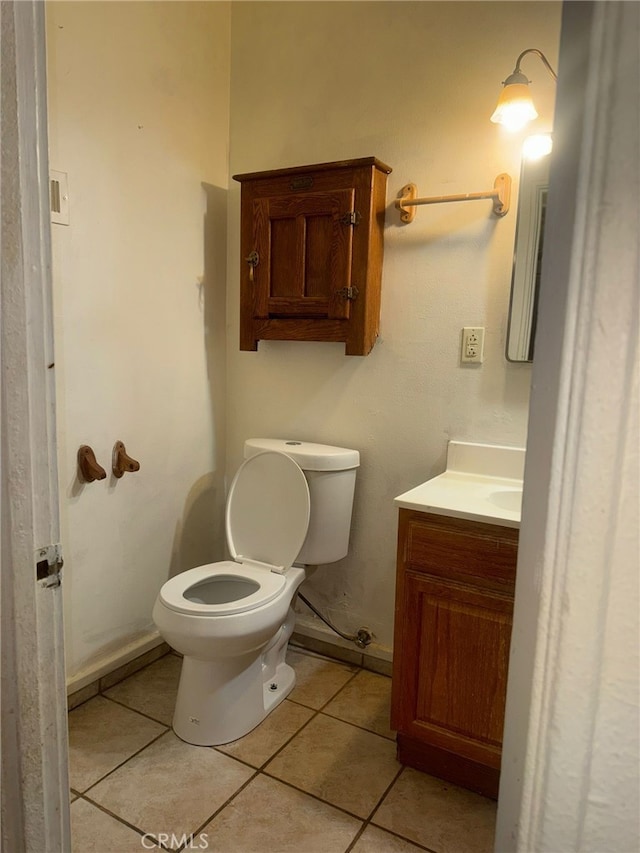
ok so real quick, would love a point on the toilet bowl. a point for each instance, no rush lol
(232, 620)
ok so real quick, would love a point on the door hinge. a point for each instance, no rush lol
(49, 565)
(348, 292)
(351, 218)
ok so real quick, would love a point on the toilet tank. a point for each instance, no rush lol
(331, 475)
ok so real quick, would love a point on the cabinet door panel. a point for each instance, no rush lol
(305, 255)
(463, 688)
(286, 274)
(455, 677)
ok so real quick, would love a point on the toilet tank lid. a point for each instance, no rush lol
(309, 456)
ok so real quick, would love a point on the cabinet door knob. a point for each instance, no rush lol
(253, 259)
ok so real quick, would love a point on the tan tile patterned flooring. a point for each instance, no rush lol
(319, 775)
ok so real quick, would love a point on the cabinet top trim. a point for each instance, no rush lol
(317, 167)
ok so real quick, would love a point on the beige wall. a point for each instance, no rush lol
(413, 84)
(138, 114)
(139, 106)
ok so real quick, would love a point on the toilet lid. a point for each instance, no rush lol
(267, 514)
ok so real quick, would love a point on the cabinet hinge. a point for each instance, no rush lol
(348, 292)
(351, 218)
(49, 564)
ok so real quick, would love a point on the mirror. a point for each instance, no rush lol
(527, 259)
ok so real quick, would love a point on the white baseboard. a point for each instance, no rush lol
(107, 663)
(306, 626)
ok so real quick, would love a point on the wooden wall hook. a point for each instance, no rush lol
(88, 466)
(121, 461)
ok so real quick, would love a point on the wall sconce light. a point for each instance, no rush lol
(515, 106)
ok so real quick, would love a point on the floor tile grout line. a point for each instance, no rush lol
(122, 763)
(316, 712)
(227, 802)
(340, 689)
(402, 838)
(262, 769)
(385, 793)
(333, 717)
(377, 805)
(370, 819)
(356, 837)
(121, 705)
(256, 771)
(122, 820)
(129, 708)
(312, 795)
(357, 726)
(331, 698)
(293, 736)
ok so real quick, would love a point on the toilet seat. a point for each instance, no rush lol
(267, 518)
(174, 593)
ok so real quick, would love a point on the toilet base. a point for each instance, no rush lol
(278, 687)
(221, 700)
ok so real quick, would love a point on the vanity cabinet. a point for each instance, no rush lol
(311, 249)
(453, 616)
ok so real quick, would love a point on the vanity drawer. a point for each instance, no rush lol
(458, 549)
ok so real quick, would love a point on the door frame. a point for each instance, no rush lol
(570, 755)
(34, 781)
(570, 435)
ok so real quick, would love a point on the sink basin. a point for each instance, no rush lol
(507, 499)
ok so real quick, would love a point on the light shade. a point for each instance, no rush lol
(515, 106)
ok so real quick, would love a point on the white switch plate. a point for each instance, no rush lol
(472, 345)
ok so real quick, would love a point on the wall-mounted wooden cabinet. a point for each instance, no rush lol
(454, 608)
(311, 247)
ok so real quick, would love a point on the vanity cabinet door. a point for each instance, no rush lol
(451, 647)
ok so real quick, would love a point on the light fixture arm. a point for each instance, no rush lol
(540, 55)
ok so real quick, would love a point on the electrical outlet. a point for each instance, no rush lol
(472, 345)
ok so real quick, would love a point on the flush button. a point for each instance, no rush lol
(293, 442)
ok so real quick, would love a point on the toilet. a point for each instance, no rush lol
(288, 510)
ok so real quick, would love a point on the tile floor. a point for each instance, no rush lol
(319, 775)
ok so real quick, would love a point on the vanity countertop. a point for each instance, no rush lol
(481, 483)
